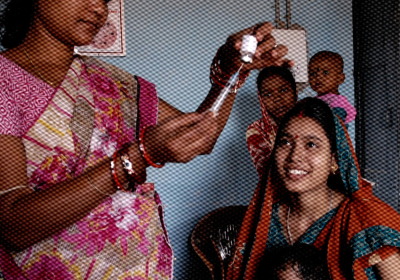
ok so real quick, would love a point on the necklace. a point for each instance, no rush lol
(36, 69)
(288, 215)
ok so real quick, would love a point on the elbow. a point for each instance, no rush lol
(11, 238)
(10, 243)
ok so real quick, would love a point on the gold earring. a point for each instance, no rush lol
(334, 168)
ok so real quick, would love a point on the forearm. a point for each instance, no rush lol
(224, 111)
(44, 213)
(41, 214)
(223, 67)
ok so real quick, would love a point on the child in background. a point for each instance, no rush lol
(297, 262)
(325, 75)
(277, 94)
(276, 90)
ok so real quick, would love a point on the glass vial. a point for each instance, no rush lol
(248, 49)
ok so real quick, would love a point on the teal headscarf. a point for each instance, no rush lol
(346, 160)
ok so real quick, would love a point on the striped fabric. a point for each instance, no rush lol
(52, 129)
(125, 236)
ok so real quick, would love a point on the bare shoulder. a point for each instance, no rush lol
(17, 57)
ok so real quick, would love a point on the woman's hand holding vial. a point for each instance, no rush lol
(257, 47)
(266, 54)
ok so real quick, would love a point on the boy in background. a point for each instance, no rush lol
(325, 75)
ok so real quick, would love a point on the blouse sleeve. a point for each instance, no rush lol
(10, 119)
(148, 103)
(259, 150)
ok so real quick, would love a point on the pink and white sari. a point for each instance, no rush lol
(96, 109)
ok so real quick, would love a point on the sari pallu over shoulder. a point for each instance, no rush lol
(363, 232)
(96, 110)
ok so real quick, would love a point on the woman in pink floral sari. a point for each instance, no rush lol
(62, 118)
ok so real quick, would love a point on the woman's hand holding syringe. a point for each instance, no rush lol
(267, 52)
(182, 138)
(255, 54)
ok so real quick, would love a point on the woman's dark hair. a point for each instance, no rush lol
(276, 71)
(16, 17)
(307, 261)
(317, 110)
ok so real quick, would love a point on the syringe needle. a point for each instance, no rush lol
(240, 67)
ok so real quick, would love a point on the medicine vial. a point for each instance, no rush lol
(248, 49)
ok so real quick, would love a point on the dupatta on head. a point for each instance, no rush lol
(364, 231)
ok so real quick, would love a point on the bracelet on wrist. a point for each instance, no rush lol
(128, 166)
(219, 77)
(114, 172)
(145, 155)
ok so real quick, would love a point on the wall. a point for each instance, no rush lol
(377, 85)
(172, 43)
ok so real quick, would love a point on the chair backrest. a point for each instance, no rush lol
(213, 238)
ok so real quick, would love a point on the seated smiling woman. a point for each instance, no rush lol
(314, 194)
(66, 121)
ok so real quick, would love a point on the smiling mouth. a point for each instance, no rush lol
(296, 174)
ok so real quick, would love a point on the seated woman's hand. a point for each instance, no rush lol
(182, 138)
(266, 53)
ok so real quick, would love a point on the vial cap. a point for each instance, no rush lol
(247, 59)
(249, 44)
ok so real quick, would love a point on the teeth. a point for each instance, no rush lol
(297, 172)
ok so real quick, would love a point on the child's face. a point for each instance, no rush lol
(277, 95)
(325, 76)
(287, 273)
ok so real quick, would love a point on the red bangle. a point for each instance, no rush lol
(114, 172)
(143, 150)
(218, 77)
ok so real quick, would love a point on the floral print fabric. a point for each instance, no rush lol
(124, 237)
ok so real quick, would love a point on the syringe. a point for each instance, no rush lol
(225, 92)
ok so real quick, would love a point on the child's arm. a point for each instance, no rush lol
(341, 107)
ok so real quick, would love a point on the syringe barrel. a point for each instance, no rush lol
(221, 98)
(224, 93)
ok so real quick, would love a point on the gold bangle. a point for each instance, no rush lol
(13, 189)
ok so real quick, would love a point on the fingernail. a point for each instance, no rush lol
(238, 45)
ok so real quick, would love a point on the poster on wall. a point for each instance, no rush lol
(110, 41)
(296, 42)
